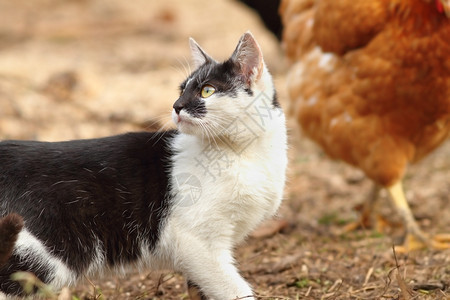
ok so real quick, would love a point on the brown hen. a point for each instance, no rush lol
(370, 83)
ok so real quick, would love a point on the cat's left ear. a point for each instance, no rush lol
(199, 56)
(249, 58)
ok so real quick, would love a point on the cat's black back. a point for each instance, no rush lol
(76, 193)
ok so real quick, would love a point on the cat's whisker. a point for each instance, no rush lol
(204, 132)
(186, 66)
(207, 132)
(221, 128)
(163, 127)
(219, 116)
(213, 137)
(162, 119)
(160, 133)
(216, 137)
(179, 71)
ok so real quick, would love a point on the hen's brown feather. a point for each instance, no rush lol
(381, 98)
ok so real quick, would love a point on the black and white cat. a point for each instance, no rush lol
(178, 199)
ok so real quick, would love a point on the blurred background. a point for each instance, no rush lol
(89, 68)
(73, 69)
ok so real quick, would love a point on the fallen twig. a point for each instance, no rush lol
(405, 290)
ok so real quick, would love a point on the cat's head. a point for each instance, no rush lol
(217, 94)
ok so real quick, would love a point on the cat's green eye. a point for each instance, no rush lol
(207, 90)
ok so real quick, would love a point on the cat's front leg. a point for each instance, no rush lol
(239, 289)
(194, 291)
(212, 275)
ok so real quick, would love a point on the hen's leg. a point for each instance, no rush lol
(415, 238)
(368, 217)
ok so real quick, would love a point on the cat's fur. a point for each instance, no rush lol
(176, 200)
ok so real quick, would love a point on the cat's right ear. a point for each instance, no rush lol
(199, 56)
(248, 57)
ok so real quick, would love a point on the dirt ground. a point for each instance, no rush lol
(80, 69)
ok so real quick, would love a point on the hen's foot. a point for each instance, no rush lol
(415, 238)
(378, 223)
(413, 242)
(369, 218)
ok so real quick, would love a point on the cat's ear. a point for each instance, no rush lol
(248, 57)
(199, 56)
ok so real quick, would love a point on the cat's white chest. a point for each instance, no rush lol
(225, 192)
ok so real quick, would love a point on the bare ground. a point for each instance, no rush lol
(80, 69)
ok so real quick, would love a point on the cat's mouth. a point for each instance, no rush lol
(184, 120)
(181, 120)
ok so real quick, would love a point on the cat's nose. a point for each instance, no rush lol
(177, 106)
